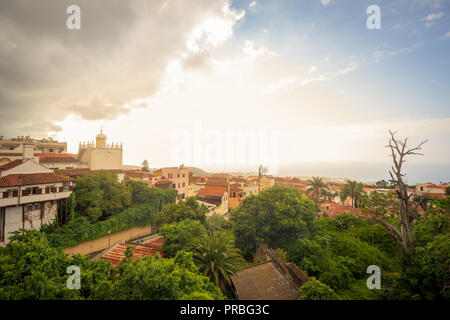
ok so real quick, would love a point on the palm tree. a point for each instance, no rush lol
(316, 185)
(217, 258)
(355, 190)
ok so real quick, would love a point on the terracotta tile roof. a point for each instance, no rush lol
(155, 242)
(74, 172)
(57, 158)
(16, 154)
(163, 181)
(236, 187)
(15, 180)
(11, 164)
(337, 209)
(434, 194)
(117, 253)
(217, 182)
(138, 174)
(210, 192)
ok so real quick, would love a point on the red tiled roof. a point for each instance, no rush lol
(117, 253)
(216, 182)
(15, 180)
(74, 172)
(138, 174)
(16, 154)
(210, 192)
(155, 242)
(434, 194)
(163, 181)
(236, 187)
(337, 209)
(57, 158)
(11, 164)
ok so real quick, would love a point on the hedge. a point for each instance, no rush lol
(80, 229)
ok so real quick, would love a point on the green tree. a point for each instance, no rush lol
(316, 290)
(277, 216)
(100, 196)
(181, 236)
(217, 258)
(354, 190)
(153, 278)
(145, 166)
(316, 186)
(189, 209)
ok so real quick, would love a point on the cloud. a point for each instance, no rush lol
(325, 2)
(378, 55)
(252, 5)
(432, 17)
(447, 35)
(295, 82)
(120, 55)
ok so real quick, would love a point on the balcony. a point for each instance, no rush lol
(5, 202)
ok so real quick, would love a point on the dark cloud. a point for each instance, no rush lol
(48, 72)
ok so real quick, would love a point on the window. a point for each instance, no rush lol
(178, 175)
(32, 191)
(10, 193)
(37, 206)
(184, 184)
(184, 175)
(178, 185)
(174, 186)
(421, 188)
(50, 150)
(29, 207)
(65, 186)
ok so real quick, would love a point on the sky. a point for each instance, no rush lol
(228, 85)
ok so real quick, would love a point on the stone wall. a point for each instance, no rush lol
(289, 270)
(107, 241)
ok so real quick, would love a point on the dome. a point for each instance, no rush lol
(101, 135)
(101, 140)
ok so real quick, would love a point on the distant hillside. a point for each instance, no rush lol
(198, 171)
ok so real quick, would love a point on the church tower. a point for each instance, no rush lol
(101, 156)
(101, 140)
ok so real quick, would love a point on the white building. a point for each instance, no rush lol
(29, 196)
(101, 156)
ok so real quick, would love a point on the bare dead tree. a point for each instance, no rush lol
(399, 149)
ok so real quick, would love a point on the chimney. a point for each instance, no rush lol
(28, 149)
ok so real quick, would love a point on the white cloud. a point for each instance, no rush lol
(447, 35)
(432, 17)
(325, 2)
(294, 82)
(252, 5)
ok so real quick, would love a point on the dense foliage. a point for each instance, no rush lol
(95, 209)
(32, 269)
(337, 252)
(181, 236)
(277, 217)
(217, 258)
(189, 209)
